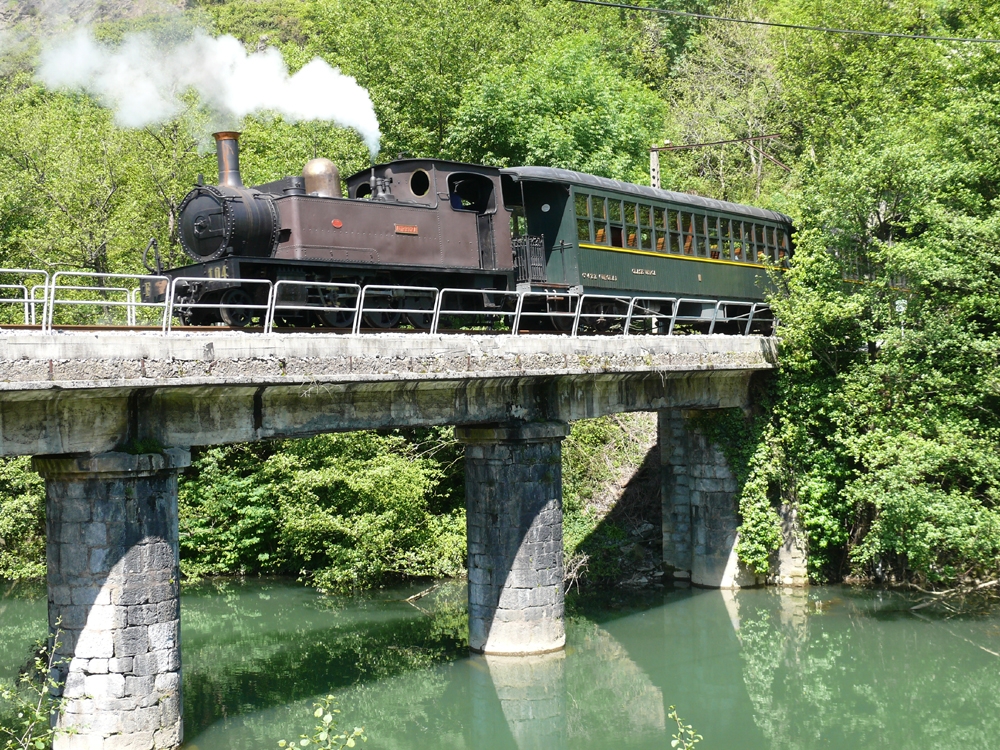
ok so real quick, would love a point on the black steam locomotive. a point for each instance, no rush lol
(430, 224)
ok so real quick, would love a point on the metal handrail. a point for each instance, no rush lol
(130, 304)
(23, 299)
(367, 300)
(401, 310)
(649, 316)
(439, 309)
(580, 314)
(29, 298)
(169, 314)
(524, 295)
(275, 306)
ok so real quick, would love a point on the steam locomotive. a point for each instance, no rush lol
(429, 224)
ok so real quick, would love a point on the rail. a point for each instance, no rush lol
(352, 308)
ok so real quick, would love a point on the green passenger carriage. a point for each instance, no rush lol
(616, 239)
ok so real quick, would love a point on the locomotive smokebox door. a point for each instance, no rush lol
(228, 219)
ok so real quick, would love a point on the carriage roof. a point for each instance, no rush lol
(581, 179)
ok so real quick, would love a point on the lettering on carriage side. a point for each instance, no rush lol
(644, 271)
(599, 276)
(406, 229)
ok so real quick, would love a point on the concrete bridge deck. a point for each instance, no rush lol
(88, 393)
(84, 405)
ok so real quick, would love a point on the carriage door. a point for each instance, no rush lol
(475, 193)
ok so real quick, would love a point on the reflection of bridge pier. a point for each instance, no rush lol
(89, 404)
(531, 691)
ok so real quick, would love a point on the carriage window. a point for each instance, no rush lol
(614, 210)
(725, 238)
(646, 238)
(597, 206)
(630, 213)
(659, 223)
(703, 235)
(782, 248)
(688, 232)
(582, 206)
(583, 230)
(644, 216)
(632, 235)
(674, 227)
(772, 246)
(738, 241)
(761, 249)
(713, 238)
(518, 227)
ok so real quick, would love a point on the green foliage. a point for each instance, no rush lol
(22, 520)
(345, 511)
(27, 708)
(565, 107)
(747, 443)
(598, 511)
(325, 735)
(686, 737)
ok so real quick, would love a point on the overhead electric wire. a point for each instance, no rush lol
(823, 29)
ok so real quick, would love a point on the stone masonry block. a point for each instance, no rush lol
(134, 741)
(131, 641)
(168, 683)
(143, 614)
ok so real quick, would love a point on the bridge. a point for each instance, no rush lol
(110, 417)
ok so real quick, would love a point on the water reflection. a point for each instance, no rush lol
(854, 668)
(531, 692)
(787, 669)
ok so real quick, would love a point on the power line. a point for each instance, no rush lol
(824, 29)
(681, 146)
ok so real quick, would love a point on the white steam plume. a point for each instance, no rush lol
(143, 81)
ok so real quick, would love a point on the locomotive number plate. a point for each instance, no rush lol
(406, 229)
(217, 271)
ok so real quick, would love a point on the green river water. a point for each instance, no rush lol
(830, 667)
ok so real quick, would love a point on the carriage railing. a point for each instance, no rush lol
(356, 308)
(529, 258)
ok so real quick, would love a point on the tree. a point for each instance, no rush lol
(565, 108)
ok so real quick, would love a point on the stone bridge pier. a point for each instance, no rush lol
(513, 490)
(114, 597)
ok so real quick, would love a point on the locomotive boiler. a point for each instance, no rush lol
(434, 224)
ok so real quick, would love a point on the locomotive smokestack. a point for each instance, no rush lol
(227, 146)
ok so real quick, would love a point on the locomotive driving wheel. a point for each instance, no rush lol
(417, 300)
(233, 312)
(384, 312)
(335, 318)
